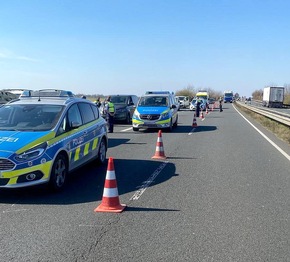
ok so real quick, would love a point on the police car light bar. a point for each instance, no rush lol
(47, 93)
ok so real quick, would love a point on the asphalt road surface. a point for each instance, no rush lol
(222, 194)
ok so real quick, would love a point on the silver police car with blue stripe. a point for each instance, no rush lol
(46, 134)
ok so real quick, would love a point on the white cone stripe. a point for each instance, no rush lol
(110, 175)
(110, 192)
(159, 148)
(159, 139)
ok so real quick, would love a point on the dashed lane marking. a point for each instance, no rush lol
(191, 132)
(148, 182)
(127, 129)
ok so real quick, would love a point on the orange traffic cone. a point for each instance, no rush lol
(159, 152)
(194, 124)
(110, 201)
(206, 111)
(201, 115)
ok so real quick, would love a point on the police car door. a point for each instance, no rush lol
(173, 110)
(78, 137)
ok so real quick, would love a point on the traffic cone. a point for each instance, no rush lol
(110, 201)
(206, 111)
(194, 124)
(159, 152)
(201, 115)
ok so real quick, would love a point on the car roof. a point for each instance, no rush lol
(47, 96)
(152, 95)
(121, 95)
(159, 92)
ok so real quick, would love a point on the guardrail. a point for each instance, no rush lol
(279, 117)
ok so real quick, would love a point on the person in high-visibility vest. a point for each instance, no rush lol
(110, 112)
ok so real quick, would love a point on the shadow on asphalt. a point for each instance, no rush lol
(205, 129)
(113, 142)
(128, 208)
(87, 183)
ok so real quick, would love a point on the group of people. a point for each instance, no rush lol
(198, 106)
(109, 110)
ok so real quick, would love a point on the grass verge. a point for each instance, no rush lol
(280, 130)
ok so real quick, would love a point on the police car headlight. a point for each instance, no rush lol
(136, 114)
(32, 153)
(164, 115)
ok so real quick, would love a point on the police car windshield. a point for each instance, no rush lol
(29, 117)
(153, 101)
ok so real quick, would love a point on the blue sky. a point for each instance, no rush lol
(108, 47)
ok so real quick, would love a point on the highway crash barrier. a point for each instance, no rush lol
(279, 117)
(110, 201)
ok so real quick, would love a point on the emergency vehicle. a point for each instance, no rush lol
(46, 134)
(202, 94)
(156, 109)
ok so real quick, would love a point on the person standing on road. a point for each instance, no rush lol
(98, 102)
(197, 109)
(110, 112)
(221, 104)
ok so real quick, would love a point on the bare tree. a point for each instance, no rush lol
(188, 91)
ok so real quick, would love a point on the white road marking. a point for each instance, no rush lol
(127, 129)
(191, 132)
(16, 210)
(148, 182)
(267, 138)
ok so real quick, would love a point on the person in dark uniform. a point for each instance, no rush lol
(221, 104)
(98, 102)
(110, 112)
(198, 103)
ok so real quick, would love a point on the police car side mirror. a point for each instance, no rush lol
(75, 125)
(173, 106)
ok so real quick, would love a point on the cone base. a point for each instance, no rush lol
(158, 157)
(115, 209)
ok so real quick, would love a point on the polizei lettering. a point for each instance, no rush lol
(78, 141)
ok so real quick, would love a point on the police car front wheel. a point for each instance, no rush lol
(59, 173)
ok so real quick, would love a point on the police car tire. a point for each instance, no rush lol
(102, 152)
(59, 173)
(176, 122)
(135, 129)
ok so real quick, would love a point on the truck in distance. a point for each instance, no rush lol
(273, 96)
(228, 96)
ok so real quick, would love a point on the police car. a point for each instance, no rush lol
(156, 109)
(46, 134)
